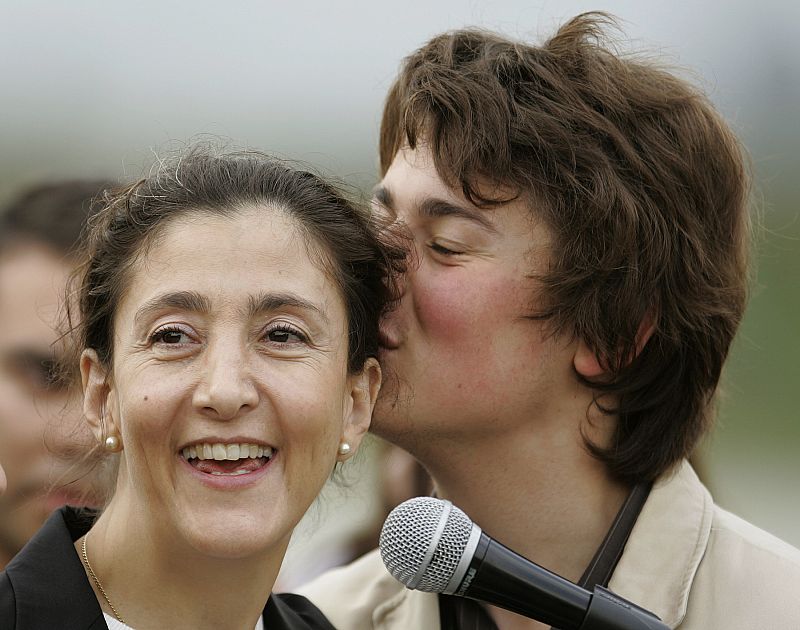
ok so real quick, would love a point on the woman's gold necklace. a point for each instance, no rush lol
(97, 581)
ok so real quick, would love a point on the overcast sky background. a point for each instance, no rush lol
(95, 87)
(92, 86)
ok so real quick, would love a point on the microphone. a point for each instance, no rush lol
(430, 545)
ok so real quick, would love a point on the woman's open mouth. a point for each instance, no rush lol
(227, 460)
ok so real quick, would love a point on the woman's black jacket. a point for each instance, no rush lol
(45, 586)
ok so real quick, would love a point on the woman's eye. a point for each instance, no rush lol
(285, 335)
(169, 336)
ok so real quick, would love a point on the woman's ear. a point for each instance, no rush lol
(364, 388)
(95, 395)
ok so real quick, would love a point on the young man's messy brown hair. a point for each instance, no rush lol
(644, 188)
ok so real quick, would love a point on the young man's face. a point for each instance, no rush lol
(462, 356)
(38, 418)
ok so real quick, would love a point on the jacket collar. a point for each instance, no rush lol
(665, 548)
(60, 595)
(656, 569)
(406, 609)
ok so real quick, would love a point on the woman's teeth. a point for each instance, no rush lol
(226, 452)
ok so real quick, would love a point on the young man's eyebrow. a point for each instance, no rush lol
(435, 208)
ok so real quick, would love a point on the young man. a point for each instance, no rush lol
(39, 424)
(580, 252)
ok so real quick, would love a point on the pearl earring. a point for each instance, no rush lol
(113, 444)
(344, 448)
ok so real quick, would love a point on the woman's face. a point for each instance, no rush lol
(229, 386)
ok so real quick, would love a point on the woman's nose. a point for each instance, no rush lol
(227, 389)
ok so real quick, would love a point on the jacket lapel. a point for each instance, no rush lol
(665, 548)
(407, 609)
(59, 596)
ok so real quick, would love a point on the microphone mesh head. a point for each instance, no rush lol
(408, 533)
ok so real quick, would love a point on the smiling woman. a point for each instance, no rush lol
(229, 326)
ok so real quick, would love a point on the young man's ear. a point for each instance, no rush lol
(95, 396)
(646, 329)
(364, 388)
(590, 366)
(586, 362)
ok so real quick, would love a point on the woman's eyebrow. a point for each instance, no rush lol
(183, 300)
(269, 302)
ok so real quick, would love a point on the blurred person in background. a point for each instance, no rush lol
(39, 418)
(579, 266)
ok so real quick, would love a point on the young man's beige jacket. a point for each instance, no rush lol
(693, 564)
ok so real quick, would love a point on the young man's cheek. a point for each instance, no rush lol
(455, 304)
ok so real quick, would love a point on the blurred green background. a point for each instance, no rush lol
(93, 88)
(753, 456)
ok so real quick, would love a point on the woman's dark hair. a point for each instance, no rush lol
(644, 188)
(198, 180)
